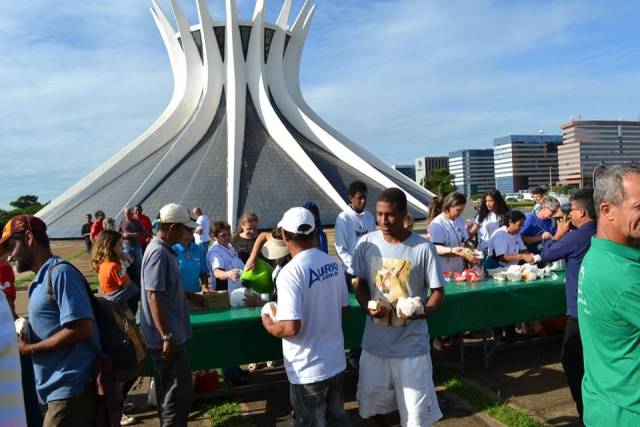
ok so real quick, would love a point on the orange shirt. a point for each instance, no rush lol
(112, 276)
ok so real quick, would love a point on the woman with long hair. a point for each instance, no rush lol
(109, 262)
(492, 209)
(246, 235)
(448, 233)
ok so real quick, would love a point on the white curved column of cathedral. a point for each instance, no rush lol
(203, 73)
(177, 150)
(180, 109)
(269, 118)
(330, 138)
(299, 119)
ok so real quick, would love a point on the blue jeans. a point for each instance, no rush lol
(135, 253)
(319, 404)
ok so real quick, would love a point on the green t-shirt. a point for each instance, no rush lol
(609, 316)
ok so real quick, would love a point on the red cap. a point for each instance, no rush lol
(20, 224)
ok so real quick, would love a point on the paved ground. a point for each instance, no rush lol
(531, 378)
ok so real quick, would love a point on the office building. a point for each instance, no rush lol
(424, 165)
(590, 143)
(473, 170)
(407, 170)
(523, 162)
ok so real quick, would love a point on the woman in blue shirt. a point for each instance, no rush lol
(538, 227)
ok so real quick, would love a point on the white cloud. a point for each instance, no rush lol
(82, 79)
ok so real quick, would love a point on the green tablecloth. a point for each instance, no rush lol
(236, 335)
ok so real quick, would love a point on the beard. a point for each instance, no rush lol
(23, 260)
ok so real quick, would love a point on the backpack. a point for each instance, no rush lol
(120, 337)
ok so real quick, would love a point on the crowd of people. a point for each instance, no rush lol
(157, 269)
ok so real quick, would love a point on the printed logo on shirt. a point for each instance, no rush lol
(323, 273)
(5, 285)
(391, 277)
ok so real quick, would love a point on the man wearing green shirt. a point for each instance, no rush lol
(609, 303)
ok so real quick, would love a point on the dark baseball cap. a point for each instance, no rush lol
(21, 224)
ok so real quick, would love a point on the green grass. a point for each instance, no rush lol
(76, 254)
(522, 204)
(25, 280)
(498, 410)
(227, 414)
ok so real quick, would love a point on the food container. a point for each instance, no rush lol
(558, 265)
(494, 271)
(514, 276)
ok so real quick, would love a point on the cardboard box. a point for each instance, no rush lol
(214, 299)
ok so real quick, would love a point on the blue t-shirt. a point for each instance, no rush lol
(62, 373)
(534, 226)
(192, 262)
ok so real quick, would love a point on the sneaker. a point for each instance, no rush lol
(127, 421)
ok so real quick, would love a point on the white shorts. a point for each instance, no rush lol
(388, 383)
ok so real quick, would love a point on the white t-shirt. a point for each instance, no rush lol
(311, 288)
(204, 224)
(350, 226)
(450, 234)
(503, 243)
(487, 227)
(397, 270)
(225, 258)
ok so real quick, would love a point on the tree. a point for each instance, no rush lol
(26, 201)
(439, 181)
(27, 204)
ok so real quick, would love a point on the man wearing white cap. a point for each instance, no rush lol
(311, 300)
(165, 317)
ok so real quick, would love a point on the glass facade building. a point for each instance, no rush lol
(590, 143)
(473, 170)
(523, 162)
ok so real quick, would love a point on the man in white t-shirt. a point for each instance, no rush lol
(395, 366)
(311, 300)
(201, 233)
(353, 223)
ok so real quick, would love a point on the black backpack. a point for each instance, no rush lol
(120, 337)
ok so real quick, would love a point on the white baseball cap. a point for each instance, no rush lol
(295, 218)
(174, 213)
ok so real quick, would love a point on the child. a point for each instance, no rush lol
(115, 284)
(108, 261)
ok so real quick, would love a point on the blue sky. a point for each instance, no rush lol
(82, 79)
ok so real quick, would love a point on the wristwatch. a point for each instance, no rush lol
(168, 337)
